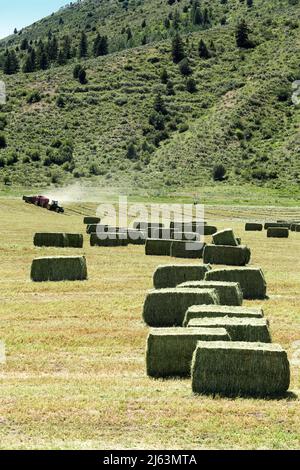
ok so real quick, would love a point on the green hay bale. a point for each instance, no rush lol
(61, 268)
(276, 224)
(210, 230)
(228, 255)
(278, 232)
(239, 329)
(58, 240)
(49, 240)
(225, 237)
(157, 247)
(230, 293)
(239, 368)
(215, 311)
(173, 274)
(253, 227)
(167, 307)
(91, 220)
(116, 239)
(187, 249)
(251, 280)
(73, 240)
(295, 227)
(170, 350)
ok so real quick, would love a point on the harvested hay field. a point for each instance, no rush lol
(75, 370)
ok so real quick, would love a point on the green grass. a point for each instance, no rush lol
(75, 372)
(235, 118)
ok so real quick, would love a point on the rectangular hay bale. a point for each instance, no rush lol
(253, 227)
(170, 350)
(59, 268)
(158, 247)
(167, 307)
(91, 220)
(58, 240)
(225, 237)
(239, 329)
(278, 232)
(251, 280)
(230, 293)
(171, 275)
(187, 249)
(215, 311)
(240, 369)
(227, 255)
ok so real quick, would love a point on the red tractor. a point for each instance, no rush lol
(42, 201)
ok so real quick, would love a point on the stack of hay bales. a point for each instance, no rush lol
(251, 280)
(226, 250)
(167, 307)
(239, 329)
(217, 311)
(58, 240)
(277, 232)
(253, 227)
(240, 368)
(173, 274)
(196, 226)
(170, 350)
(230, 293)
(61, 268)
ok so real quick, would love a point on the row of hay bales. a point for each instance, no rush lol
(199, 328)
(278, 229)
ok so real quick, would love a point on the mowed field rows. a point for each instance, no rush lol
(75, 371)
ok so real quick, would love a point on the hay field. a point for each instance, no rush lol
(75, 370)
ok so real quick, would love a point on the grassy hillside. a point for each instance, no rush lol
(241, 114)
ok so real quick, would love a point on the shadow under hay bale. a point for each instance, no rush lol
(167, 307)
(240, 369)
(58, 240)
(278, 232)
(170, 350)
(228, 255)
(174, 274)
(230, 293)
(187, 249)
(158, 247)
(216, 311)
(253, 227)
(111, 240)
(225, 237)
(251, 280)
(60, 268)
(91, 220)
(255, 330)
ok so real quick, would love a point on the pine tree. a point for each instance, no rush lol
(177, 49)
(82, 77)
(28, 66)
(203, 50)
(83, 46)
(44, 61)
(242, 35)
(52, 49)
(61, 58)
(11, 63)
(67, 47)
(176, 20)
